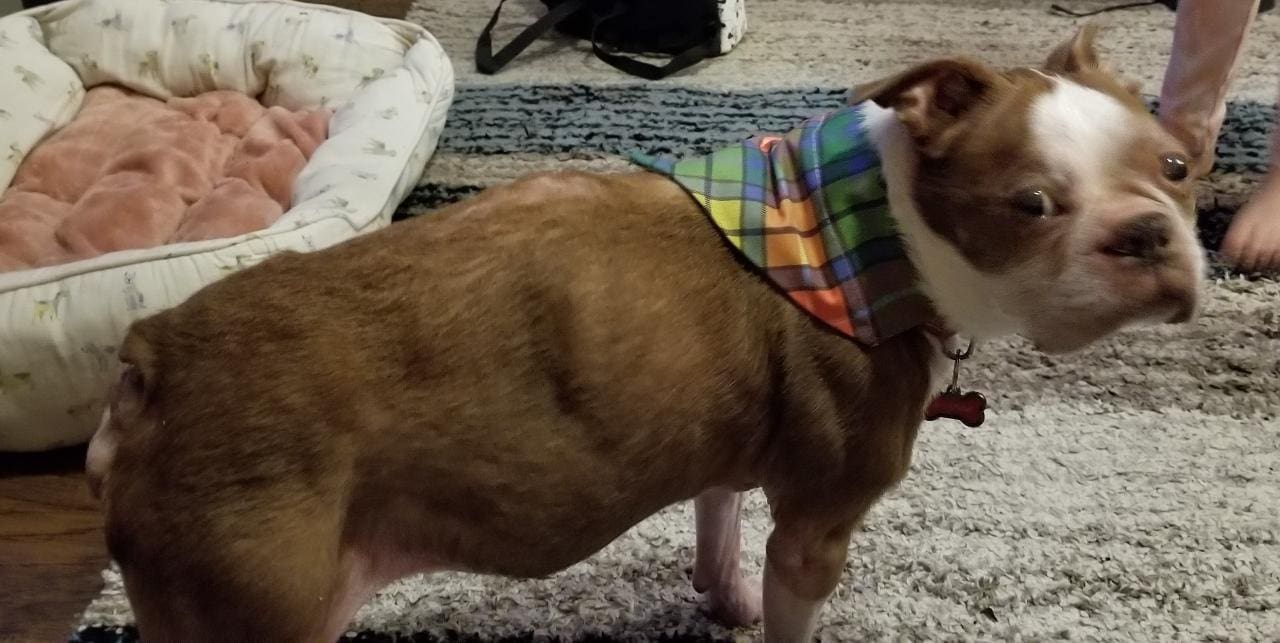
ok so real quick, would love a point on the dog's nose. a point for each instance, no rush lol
(1143, 237)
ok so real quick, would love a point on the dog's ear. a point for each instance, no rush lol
(1077, 54)
(932, 99)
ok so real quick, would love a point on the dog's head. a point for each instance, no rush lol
(1046, 202)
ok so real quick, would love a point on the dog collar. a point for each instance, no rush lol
(809, 210)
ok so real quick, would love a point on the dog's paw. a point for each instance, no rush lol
(737, 605)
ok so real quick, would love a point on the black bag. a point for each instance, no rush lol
(687, 30)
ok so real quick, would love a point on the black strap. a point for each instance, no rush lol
(647, 71)
(1118, 7)
(488, 63)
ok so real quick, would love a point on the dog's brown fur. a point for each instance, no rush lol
(488, 418)
(509, 384)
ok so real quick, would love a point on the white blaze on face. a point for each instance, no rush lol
(1081, 131)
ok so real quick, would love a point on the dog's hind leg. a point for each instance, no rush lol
(731, 599)
(229, 548)
(280, 583)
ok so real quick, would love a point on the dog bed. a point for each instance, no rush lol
(133, 172)
(388, 83)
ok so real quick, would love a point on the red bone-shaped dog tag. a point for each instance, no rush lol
(969, 408)
(955, 404)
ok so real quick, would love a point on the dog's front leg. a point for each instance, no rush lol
(803, 564)
(731, 599)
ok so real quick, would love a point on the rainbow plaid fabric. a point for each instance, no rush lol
(809, 209)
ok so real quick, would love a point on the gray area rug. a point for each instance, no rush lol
(1129, 492)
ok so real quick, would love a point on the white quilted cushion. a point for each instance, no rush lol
(388, 81)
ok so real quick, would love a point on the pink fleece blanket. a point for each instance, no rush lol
(136, 172)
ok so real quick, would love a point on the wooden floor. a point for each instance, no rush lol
(51, 547)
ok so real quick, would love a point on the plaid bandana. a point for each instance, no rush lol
(809, 210)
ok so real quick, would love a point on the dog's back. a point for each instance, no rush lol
(504, 386)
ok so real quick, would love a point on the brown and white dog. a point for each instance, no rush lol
(506, 386)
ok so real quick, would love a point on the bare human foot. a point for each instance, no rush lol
(736, 605)
(732, 600)
(1252, 243)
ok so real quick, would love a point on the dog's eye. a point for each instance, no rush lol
(1174, 167)
(1034, 202)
